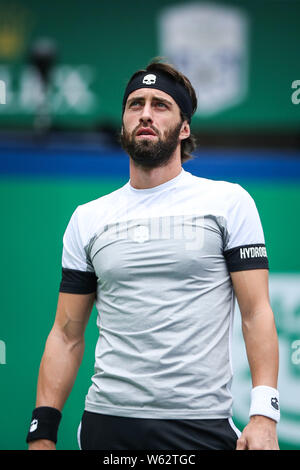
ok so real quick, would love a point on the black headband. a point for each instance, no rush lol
(163, 82)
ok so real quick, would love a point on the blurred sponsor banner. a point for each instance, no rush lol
(70, 90)
(209, 44)
(232, 50)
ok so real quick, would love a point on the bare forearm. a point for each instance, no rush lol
(252, 291)
(58, 370)
(262, 347)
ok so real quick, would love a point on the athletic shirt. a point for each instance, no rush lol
(160, 261)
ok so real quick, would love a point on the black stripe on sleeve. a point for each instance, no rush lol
(78, 282)
(247, 257)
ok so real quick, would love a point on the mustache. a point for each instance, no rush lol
(138, 127)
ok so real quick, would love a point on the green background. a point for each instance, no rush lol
(36, 212)
(114, 39)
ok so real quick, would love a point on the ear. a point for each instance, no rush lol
(185, 131)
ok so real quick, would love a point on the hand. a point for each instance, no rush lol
(41, 444)
(259, 434)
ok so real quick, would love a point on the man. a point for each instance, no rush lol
(163, 257)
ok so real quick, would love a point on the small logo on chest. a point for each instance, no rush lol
(141, 234)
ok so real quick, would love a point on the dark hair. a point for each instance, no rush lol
(157, 65)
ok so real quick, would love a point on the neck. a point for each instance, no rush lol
(144, 178)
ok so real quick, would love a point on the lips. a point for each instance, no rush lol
(145, 131)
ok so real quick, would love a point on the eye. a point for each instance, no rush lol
(134, 104)
(161, 104)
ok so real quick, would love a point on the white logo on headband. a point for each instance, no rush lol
(149, 79)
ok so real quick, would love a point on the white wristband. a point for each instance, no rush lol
(265, 401)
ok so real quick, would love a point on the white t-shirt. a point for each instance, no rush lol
(160, 260)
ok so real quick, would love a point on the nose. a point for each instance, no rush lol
(146, 115)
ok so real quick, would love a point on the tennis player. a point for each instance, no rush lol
(163, 258)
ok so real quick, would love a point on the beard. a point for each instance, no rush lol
(148, 154)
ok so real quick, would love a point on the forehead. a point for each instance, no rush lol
(151, 93)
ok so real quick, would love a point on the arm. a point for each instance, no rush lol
(62, 355)
(259, 331)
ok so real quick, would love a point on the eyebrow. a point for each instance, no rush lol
(155, 98)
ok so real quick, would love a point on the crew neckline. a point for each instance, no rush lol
(159, 187)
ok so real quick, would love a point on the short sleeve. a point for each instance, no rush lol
(78, 274)
(244, 247)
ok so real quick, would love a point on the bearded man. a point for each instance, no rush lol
(163, 258)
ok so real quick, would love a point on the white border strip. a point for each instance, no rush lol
(236, 430)
(78, 436)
